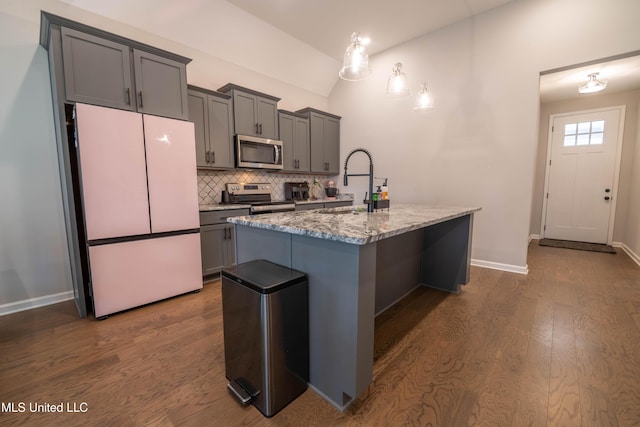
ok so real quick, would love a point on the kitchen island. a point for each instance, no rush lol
(358, 265)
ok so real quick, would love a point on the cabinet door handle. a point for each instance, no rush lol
(257, 129)
(213, 157)
(230, 233)
(260, 128)
(206, 157)
(128, 93)
(140, 99)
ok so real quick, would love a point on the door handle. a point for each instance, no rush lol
(128, 93)
(606, 190)
(607, 198)
(206, 157)
(140, 98)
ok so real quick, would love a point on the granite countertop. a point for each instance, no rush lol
(354, 224)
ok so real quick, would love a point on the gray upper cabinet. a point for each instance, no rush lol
(161, 85)
(212, 115)
(324, 129)
(294, 133)
(254, 113)
(108, 70)
(96, 71)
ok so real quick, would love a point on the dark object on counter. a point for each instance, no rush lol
(370, 174)
(266, 334)
(296, 190)
(331, 191)
(225, 197)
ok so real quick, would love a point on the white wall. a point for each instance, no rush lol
(34, 262)
(478, 148)
(632, 229)
(630, 100)
(33, 252)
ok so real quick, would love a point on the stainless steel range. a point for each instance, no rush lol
(258, 195)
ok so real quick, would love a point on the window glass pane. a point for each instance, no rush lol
(584, 127)
(569, 140)
(597, 126)
(570, 129)
(597, 138)
(583, 139)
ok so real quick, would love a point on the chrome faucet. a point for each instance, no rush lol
(369, 202)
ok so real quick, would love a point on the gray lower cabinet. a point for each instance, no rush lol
(254, 113)
(104, 72)
(294, 134)
(212, 115)
(324, 129)
(217, 240)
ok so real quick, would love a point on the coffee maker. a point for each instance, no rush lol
(296, 190)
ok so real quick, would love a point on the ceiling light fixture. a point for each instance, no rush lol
(356, 61)
(397, 84)
(592, 85)
(424, 101)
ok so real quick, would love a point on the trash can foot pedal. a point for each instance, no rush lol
(240, 393)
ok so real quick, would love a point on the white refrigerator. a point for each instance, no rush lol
(140, 203)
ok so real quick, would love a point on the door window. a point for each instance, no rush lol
(584, 133)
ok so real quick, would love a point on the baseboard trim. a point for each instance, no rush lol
(499, 266)
(534, 237)
(28, 304)
(634, 256)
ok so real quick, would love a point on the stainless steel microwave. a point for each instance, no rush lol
(258, 153)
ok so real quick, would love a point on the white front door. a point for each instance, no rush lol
(580, 176)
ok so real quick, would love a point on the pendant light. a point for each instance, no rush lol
(356, 61)
(397, 86)
(592, 85)
(424, 100)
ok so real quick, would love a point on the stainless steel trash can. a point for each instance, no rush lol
(266, 334)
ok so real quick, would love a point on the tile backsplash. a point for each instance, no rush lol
(211, 183)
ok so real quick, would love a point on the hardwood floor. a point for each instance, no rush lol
(559, 347)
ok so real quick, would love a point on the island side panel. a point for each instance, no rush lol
(446, 254)
(397, 268)
(341, 315)
(258, 243)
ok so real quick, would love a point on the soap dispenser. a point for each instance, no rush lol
(385, 190)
